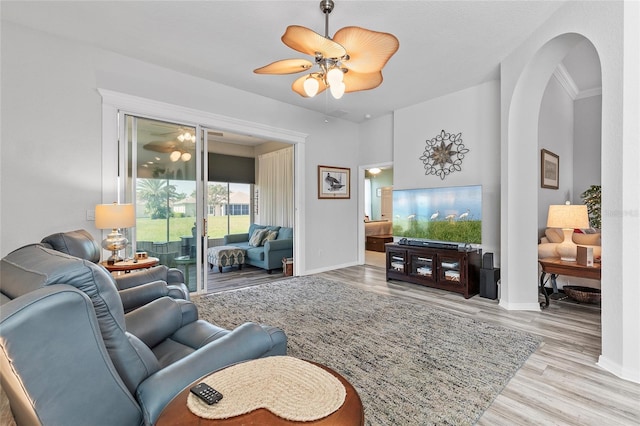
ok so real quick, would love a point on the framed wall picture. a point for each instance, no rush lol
(549, 170)
(334, 182)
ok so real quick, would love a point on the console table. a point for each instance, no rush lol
(554, 267)
(446, 269)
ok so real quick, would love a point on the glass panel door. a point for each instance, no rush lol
(396, 261)
(422, 265)
(161, 180)
(450, 269)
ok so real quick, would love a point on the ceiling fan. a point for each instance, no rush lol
(350, 62)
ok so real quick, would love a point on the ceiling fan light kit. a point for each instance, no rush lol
(350, 62)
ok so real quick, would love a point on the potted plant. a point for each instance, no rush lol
(592, 198)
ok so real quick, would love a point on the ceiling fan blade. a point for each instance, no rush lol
(162, 147)
(298, 87)
(309, 42)
(368, 50)
(355, 81)
(285, 66)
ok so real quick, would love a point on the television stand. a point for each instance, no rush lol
(446, 269)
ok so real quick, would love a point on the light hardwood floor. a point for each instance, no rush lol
(560, 384)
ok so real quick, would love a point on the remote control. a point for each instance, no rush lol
(206, 393)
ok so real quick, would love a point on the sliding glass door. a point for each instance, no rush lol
(161, 178)
(186, 201)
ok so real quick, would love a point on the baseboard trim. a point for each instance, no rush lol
(616, 369)
(328, 268)
(519, 306)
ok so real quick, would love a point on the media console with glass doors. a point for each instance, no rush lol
(439, 265)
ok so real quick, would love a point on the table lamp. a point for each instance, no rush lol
(567, 217)
(115, 216)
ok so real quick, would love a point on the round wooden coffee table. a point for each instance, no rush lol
(350, 413)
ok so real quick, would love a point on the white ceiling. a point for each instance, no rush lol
(445, 46)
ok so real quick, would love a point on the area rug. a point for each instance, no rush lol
(410, 363)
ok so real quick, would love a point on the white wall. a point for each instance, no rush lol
(376, 141)
(587, 153)
(52, 130)
(475, 113)
(555, 134)
(611, 28)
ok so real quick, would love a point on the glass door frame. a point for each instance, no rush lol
(125, 156)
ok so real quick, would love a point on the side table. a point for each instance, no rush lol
(130, 265)
(350, 413)
(185, 261)
(554, 267)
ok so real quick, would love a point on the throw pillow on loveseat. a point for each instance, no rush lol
(584, 237)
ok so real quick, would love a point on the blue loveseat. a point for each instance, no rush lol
(268, 255)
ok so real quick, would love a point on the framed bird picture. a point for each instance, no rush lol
(334, 182)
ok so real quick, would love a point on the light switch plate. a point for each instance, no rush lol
(91, 215)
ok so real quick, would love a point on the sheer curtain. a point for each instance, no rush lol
(275, 188)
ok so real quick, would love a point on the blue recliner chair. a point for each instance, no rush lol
(69, 355)
(135, 289)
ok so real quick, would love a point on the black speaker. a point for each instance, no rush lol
(489, 283)
(487, 261)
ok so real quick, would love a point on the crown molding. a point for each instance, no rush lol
(596, 91)
(566, 81)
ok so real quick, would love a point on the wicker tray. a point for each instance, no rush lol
(583, 294)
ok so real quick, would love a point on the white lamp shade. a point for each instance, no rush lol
(568, 216)
(175, 156)
(114, 216)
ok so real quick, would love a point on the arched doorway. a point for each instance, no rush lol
(520, 175)
(523, 76)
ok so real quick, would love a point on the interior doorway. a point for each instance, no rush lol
(377, 205)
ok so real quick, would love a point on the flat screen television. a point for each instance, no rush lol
(451, 214)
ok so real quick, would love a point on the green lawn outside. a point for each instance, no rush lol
(468, 231)
(155, 230)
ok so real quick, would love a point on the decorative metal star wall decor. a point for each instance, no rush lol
(443, 154)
